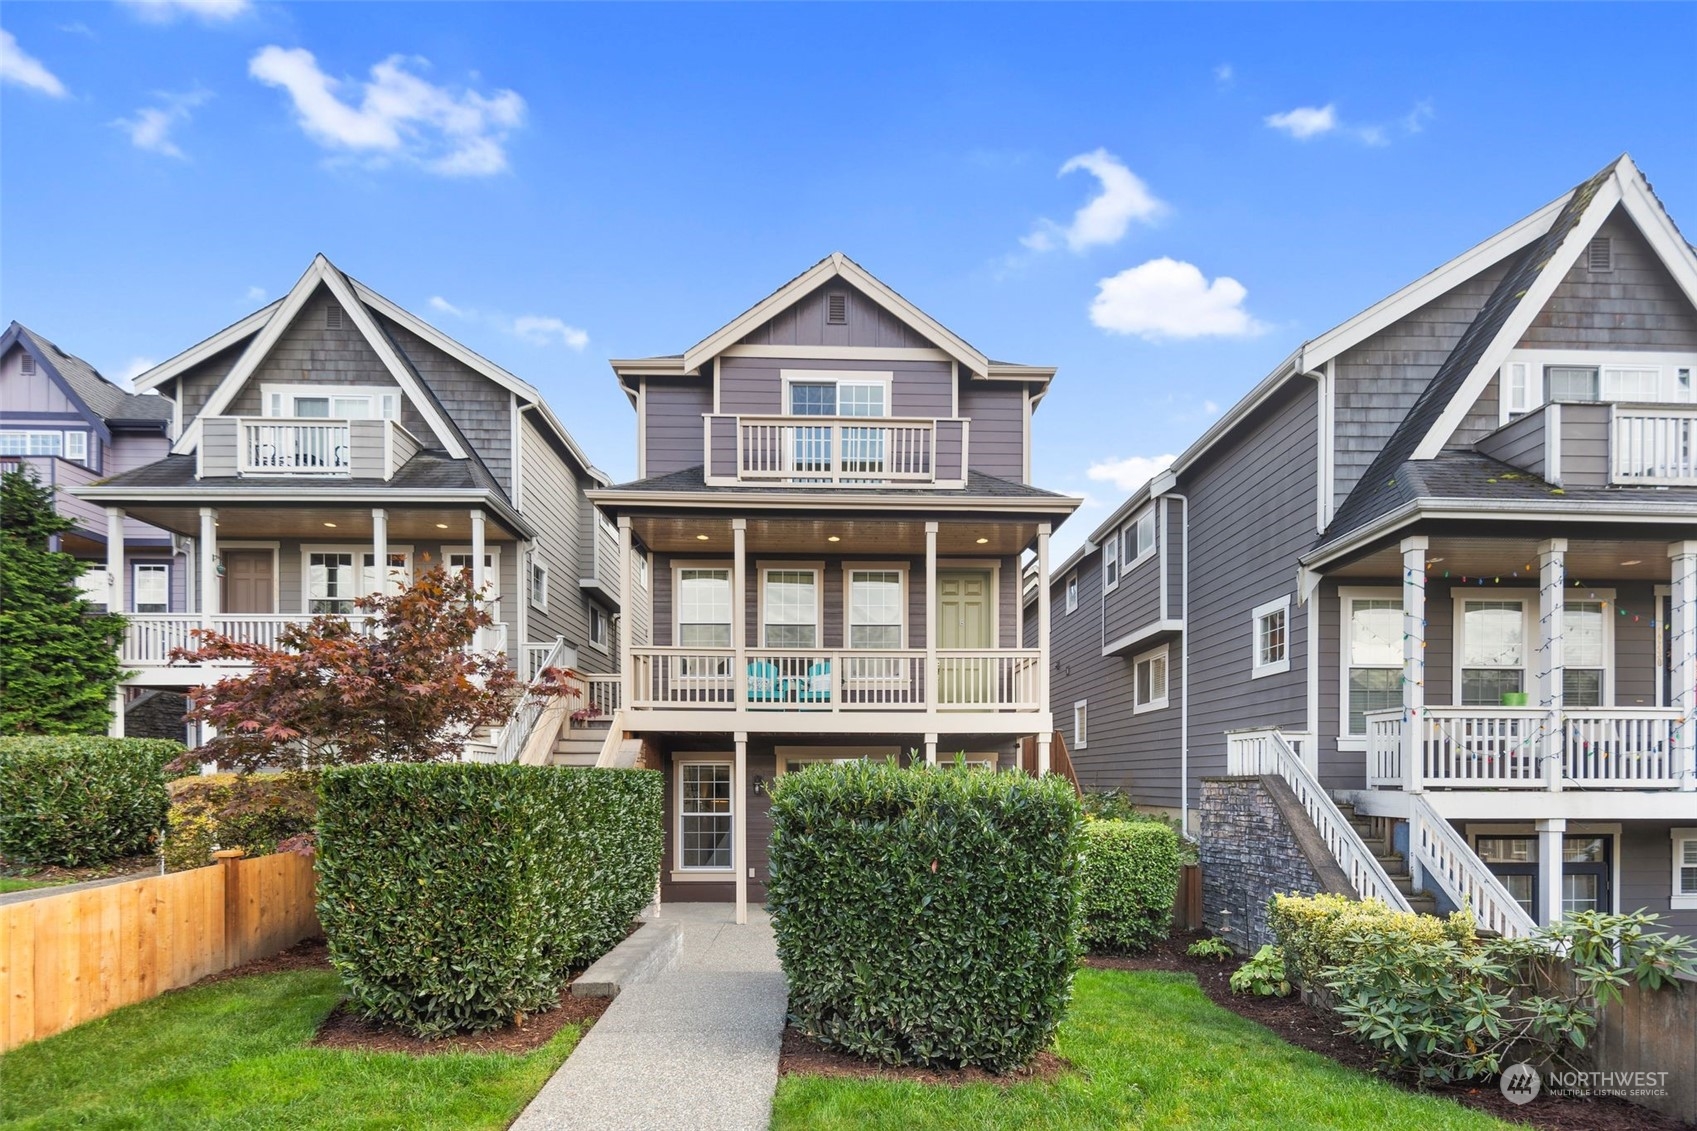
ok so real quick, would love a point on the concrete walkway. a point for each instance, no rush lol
(696, 1049)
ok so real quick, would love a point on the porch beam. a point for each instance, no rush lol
(1413, 658)
(1682, 627)
(1552, 602)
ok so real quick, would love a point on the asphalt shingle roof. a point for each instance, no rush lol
(426, 471)
(104, 398)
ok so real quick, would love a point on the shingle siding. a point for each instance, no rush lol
(478, 406)
(1635, 306)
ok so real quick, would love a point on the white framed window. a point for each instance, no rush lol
(331, 584)
(34, 442)
(1270, 627)
(1532, 377)
(1139, 538)
(76, 446)
(396, 578)
(1072, 592)
(152, 587)
(1149, 680)
(1080, 724)
(1517, 388)
(1492, 647)
(640, 562)
(1110, 565)
(1371, 632)
(1588, 650)
(597, 626)
(824, 392)
(701, 598)
(538, 583)
(458, 560)
(789, 606)
(876, 603)
(1684, 895)
(706, 817)
(1621, 383)
(335, 402)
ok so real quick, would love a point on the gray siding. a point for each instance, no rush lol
(1520, 442)
(1136, 602)
(754, 385)
(1646, 873)
(1585, 445)
(997, 442)
(868, 324)
(553, 500)
(481, 409)
(1482, 419)
(674, 409)
(194, 387)
(1636, 306)
(220, 442)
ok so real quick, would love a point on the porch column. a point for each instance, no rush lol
(931, 620)
(1044, 742)
(739, 636)
(114, 559)
(1043, 632)
(1413, 658)
(1682, 629)
(1550, 830)
(627, 674)
(930, 750)
(739, 823)
(1552, 599)
(380, 547)
(478, 578)
(208, 566)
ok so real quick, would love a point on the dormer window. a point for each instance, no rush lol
(331, 402)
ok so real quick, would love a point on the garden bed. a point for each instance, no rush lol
(1304, 1027)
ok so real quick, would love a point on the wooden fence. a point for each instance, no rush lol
(66, 959)
(1653, 1031)
(1187, 907)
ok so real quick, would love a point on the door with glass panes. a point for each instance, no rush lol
(1586, 872)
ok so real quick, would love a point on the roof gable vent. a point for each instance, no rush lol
(26, 365)
(1599, 256)
(333, 316)
(836, 309)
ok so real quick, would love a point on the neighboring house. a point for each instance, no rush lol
(332, 431)
(832, 503)
(1480, 489)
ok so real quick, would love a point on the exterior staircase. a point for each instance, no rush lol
(1378, 834)
(579, 744)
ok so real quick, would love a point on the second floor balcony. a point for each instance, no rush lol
(303, 446)
(1600, 444)
(835, 451)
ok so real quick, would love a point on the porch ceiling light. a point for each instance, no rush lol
(832, 538)
(441, 526)
(701, 537)
(331, 525)
(983, 541)
(1634, 561)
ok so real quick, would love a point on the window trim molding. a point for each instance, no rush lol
(1081, 724)
(1528, 599)
(592, 609)
(1536, 361)
(1607, 598)
(679, 873)
(814, 755)
(134, 590)
(1676, 901)
(853, 567)
(1069, 594)
(1347, 594)
(1138, 704)
(358, 550)
(1111, 560)
(1129, 564)
(1257, 668)
(761, 569)
(679, 565)
(291, 390)
(492, 572)
(885, 377)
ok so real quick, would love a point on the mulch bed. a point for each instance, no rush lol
(308, 954)
(801, 1055)
(1307, 1028)
(54, 874)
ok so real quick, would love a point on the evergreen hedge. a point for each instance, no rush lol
(1131, 871)
(460, 896)
(926, 915)
(76, 800)
(255, 812)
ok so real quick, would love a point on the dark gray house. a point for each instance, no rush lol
(832, 502)
(333, 443)
(1441, 564)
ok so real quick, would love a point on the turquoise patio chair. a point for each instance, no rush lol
(815, 687)
(763, 682)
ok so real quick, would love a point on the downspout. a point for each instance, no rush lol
(1184, 667)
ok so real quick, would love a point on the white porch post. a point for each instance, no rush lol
(1552, 599)
(1045, 743)
(739, 632)
(380, 547)
(1046, 739)
(627, 671)
(1550, 830)
(114, 559)
(739, 823)
(208, 566)
(478, 573)
(930, 750)
(931, 620)
(1413, 659)
(1682, 629)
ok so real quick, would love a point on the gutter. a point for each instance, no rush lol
(516, 522)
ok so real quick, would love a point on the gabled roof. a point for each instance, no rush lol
(103, 402)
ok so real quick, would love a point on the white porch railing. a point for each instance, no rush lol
(295, 447)
(149, 638)
(510, 743)
(1652, 445)
(602, 693)
(1265, 752)
(1530, 748)
(835, 449)
(1442, 854)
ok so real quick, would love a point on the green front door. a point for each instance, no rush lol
(964, 619)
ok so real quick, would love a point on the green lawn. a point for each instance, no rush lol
(12, 883)
(1149, 1051)
(234, 1055)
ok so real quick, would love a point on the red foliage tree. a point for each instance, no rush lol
(402, 686)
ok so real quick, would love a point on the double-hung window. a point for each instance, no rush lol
(1685, 869)
(597, 626)
(1149, 681)
(1080, 724)
(330, 582)
(704, 617)
(875, 608)
(152, 587)
(1372, 663)
(1270, 624)
(1072, 592)
(1139, 538)
(1585, 660)
(1110, 564)
(396, 578)
(706, 817)
(1492, 649)
(789, 602)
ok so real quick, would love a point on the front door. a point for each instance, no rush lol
(250, 586)
(965, 617)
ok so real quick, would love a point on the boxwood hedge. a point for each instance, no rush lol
(74, 800)
(926, 915)
(460, 896)
(1131, 871)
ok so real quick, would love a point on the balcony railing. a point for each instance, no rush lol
(846, 451)
(149, 638)
(295, 447)
(834, 680)
(1531, 748)
(1653, 446)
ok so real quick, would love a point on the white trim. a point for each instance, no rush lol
(1529, 828)
(195, 354)
(1081, 724)
(1657, 228)
(516, 464)
(1257, 668)
(766, 499)
(1154, 703)
(975, 565)
(725, 564)
(1123, 644)
(1666, 365)
(1111, 563)
(358, 550)
(595, 610)
(491, 569)
(1325, 416)
(1025, 425)
(838, 353)
(1347, 594)
(695, 758)
(642, 428)
(1070, 593)
(1659, 624)
(850, 568)
(1132, 525)
(537, 567)
(789, 377)
(1677, 901)
(294, 390)
(136, 566)
(761, 569)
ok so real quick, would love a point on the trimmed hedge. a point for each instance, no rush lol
(73, 800)
(255, 812)
(1131, 872)
(460, 896)
(1317, 932)
(926, 915)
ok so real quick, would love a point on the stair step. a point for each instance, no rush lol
(1404, 883)
(1423, 903)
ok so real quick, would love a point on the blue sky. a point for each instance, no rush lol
(556, 185)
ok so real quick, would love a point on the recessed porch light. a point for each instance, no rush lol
(832, 538)
(983, 541)
(441, 526)
(701, 537)
(331, 525)
(1634, 561)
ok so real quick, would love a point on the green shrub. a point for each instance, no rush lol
(77, 800)
(1216, 949)
(1131, 871)
(1263, 975)
(255, 812)
(925, 916)
(460, 896)
(1319, 931)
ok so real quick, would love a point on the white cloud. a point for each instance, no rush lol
(1130, 473)
(1165, 298)
(1415, 120)
(1223, 74)
(1106, 216)
(437, 302)
(134, 368)
(19, 67)
(398, 114)
(208, 11)
(1305, 122)
(540, 330)
(151, 127)
(256, 294)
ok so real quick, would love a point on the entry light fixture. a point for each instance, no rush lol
(331, 525)
(701, 537)
(983, 541)
(441, 526)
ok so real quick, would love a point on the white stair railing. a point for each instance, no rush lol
(526, 711)
(1255, 753)
(1441, 853)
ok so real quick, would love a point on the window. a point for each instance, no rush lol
(71, 445)
(336, 402)
(1685, 869)
(1072, 592)
(76, 446)
(1149, 680)
(1517, 388)
(1080, 724)
(539, 584)
(1624, 384)
(1492, 650)
(794, 759)
(641, 566)
(1584, 654)
(704, 618)
(330, 584)
(1571, 382)
(152, 587)
(1110, 564)
(875, 606)
(1139, 538)
(1372, 638)
(1271, 625)
(398, 575)
(1532, 377)
(821, 393)
(705, 817)
(597, 627)
(789, 603)
(1682, 384)
(838, 397)
(1514, 859)
(459, 560)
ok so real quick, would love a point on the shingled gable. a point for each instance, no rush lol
(102, 403)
